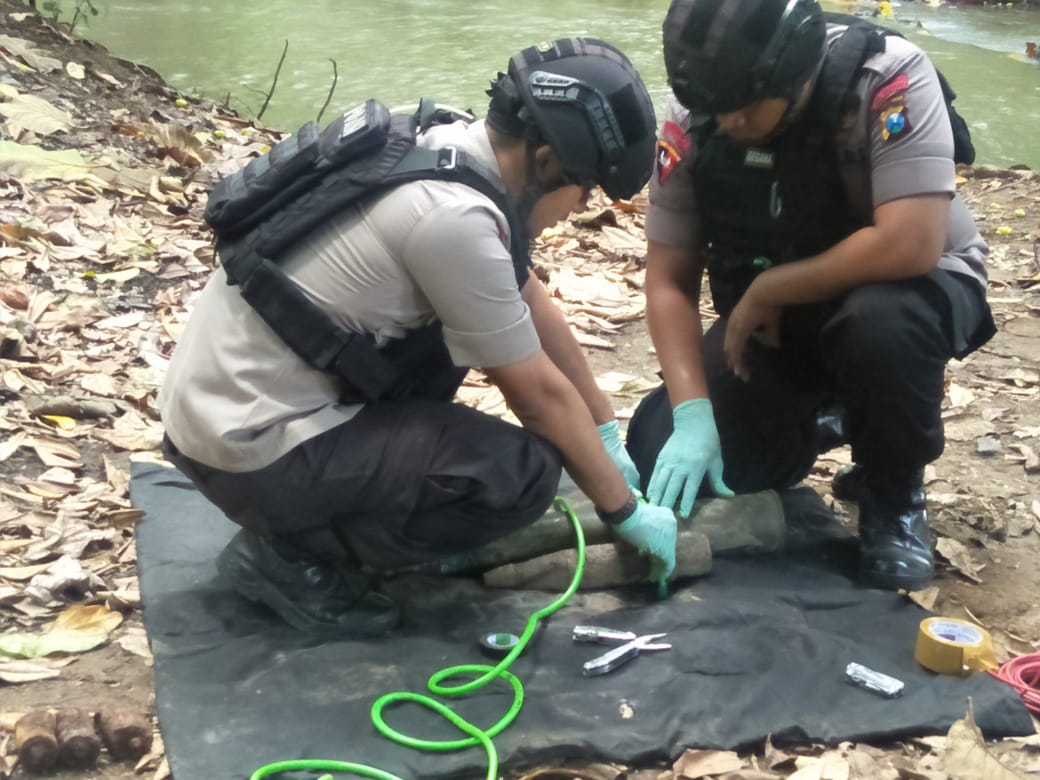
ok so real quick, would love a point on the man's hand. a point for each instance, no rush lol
(750, 317)
(652, 530)
(610, 433)
(692, 451)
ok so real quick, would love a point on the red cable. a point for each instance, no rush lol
(1023, 674)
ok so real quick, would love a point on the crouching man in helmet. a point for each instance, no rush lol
(327, 481)
(809, 169)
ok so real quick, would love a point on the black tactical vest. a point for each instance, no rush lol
(259, 212)
(805, 190)
(762, 206)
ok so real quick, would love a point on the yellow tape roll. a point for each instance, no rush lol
(951, 646)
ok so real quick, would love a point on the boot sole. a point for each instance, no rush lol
(894, 583)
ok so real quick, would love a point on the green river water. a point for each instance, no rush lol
(400, 50)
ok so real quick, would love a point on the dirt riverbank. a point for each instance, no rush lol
(103, 176)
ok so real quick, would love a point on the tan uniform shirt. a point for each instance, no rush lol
(236, 397)
(916, 161)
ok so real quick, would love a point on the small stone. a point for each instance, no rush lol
(988, 445)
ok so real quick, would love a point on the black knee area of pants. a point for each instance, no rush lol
(886, 350)
(885, 326)
(648, 430)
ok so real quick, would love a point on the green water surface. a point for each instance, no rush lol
(400, 50)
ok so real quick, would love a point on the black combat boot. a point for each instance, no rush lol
(896, 543)
(851, 484)
(313, 596)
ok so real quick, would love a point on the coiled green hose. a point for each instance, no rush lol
(486, 674)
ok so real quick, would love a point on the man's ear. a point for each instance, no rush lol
(546, 163)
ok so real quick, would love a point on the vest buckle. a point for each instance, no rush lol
(448, 158)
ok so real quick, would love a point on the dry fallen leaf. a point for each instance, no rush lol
(133, 440)
(22, 573)
(1030, 458)
(587, 340)
(9, 446)
(827, 767)
(33, 113)
(925, 598)
(14, 296)
(29, 163)
(592, 289)
(178, 142)
(960, 396)
(959, 558)
(65, 574)
(56, 453)
(88, 617)
(695, 764)
(135, 640)
(1022, 377)
(619, 383)
(29, 54)
(775, 757)
(967, 757)
(871, 764)
(612, 381)
(18, 671)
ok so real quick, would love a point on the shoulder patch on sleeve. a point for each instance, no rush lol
(894, 87)
(889, 102)
(672, 147)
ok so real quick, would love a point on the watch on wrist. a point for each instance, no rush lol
(618, 516)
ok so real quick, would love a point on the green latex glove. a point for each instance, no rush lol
(610, 433)
(652, 530)
(691, 452)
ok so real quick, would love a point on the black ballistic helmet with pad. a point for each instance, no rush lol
(585, 99)
(723, 55)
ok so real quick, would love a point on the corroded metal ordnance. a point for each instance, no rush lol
(37, 742)
(78, 743)
(126, 733)
(747, 524)
(606, 566)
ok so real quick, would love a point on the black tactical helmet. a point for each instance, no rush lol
(586, 100)
(722, 55)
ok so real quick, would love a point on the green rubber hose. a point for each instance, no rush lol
(485, 675)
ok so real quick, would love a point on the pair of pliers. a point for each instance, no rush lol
(629, 645)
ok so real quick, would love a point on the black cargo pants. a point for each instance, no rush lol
(401, 483)
(880, 351)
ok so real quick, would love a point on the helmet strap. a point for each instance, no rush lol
(505, 108)
(507, 115)
(534, 186)
(800, 98)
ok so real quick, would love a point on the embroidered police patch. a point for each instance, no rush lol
(894, 123)
(672, 146)
(890, 104)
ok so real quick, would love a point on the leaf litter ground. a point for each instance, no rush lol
(104, 171)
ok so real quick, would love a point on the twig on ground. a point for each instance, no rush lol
(332, 89)
(274, 82)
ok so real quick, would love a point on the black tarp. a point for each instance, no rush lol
(759, 647)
